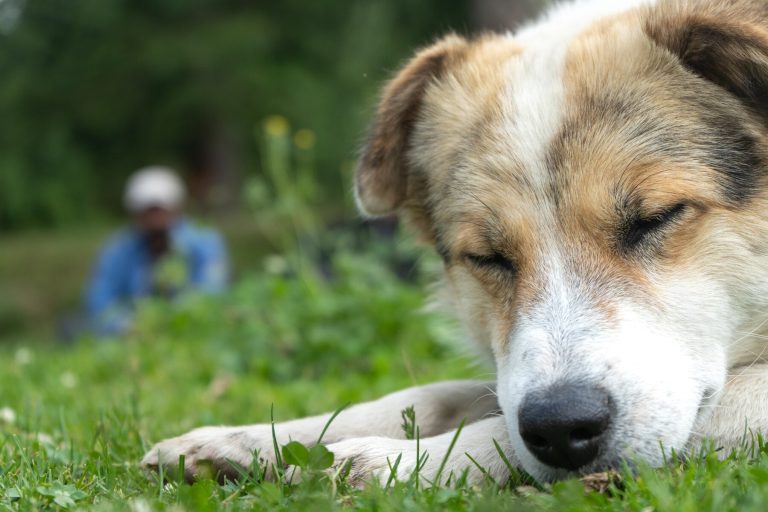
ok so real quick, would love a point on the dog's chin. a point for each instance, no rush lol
(619, 456)
(547, 474)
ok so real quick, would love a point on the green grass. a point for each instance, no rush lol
(75, 421)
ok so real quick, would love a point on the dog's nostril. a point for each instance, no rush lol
(582, 434)
(537, 441)
(564, 426)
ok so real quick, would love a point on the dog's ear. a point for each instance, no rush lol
(723, 42)
(382, 176)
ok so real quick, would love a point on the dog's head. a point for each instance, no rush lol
(598, 196)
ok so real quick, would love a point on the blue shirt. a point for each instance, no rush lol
(125, 272)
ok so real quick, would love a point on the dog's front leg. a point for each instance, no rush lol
(436, 459)
(439, 407)
(737, 413)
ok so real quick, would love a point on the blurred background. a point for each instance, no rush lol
(258, 105)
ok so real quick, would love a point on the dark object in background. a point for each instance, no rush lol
(360, 237)
(503, 15)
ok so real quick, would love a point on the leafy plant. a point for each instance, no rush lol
(409, 422)
(62, 495)
(316, 458)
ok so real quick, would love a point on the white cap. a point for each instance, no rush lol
(153, 186)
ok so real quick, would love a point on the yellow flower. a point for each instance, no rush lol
(304, 139)
(276, 126)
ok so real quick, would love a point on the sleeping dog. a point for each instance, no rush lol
(595, 184)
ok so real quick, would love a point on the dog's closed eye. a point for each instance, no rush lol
(641, 229)
(493, 261)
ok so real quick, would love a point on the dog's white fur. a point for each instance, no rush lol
(685, 366)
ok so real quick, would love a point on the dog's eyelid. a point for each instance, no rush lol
(494, 259)
(669, 213)
(641, 226)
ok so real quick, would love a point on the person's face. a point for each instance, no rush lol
(155, 219)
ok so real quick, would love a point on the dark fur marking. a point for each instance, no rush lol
(722, 57)
(584, 126)
(723, 138)
(732, 53)
(733, 150)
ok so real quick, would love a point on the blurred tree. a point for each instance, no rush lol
(92, 90)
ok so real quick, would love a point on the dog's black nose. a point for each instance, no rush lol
(565, 425)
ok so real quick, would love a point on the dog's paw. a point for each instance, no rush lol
(213, 452)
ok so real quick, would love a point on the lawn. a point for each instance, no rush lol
(74, 421)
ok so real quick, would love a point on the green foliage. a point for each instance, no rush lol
(409, 422)
(315, 327)
(94, 90)
(82, 417)
(315, 458)
(289, 193)
(62, 495)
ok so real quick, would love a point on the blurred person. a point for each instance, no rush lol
(161, 254)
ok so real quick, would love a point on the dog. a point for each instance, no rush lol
(595, 184)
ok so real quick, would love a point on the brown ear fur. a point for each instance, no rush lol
(725, 42)
(382, 177)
